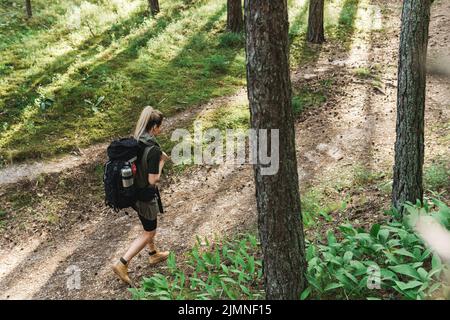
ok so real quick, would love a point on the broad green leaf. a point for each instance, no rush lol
(310, 252)
(358, 265)
(387, 274)
(404, 252)
(351, 277)
(224, 268)
(331, 238)
(383, 235)
(228, 279)
(305, 293)
(423, 274)
(374, 230)
(391, 257)
(312, 281)
(425, 254)
(348, 255)
(409, 285)
(245, 289)
(333, 286)
(348, 229)
(406, 269)
(436, 262)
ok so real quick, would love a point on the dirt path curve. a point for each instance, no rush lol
(357, 124)
(15, 173)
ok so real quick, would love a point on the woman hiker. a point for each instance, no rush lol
(147, 176)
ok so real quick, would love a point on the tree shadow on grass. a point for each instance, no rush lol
(181, 82)
(25, 92)
(303, 52)
(346, 24)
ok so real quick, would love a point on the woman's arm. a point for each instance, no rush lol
(153, 179)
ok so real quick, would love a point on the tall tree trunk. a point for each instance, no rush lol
(278, 200)
(28, 7)
(235, 21)
(153, 6)
(409, 145)
(315, 21)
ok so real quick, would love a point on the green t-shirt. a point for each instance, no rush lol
(153, 158)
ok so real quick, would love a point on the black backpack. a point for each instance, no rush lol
(122, 154)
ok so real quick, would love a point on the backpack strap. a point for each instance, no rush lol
(144, 163)
(144, 166)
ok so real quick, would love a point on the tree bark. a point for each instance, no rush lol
(29, 10)
(315, 21)
(409, 145)
(235, 21)
(278, 200)
(153, 6)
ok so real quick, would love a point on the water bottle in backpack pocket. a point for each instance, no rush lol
(118, 179)
(121, 189)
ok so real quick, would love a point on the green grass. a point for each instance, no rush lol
(308, 98)
(364, 73)
(364, 176)
(437, 176)
(317, 203)
(170, 62)
(64, 86)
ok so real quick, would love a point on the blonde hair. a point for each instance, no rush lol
(148, 119)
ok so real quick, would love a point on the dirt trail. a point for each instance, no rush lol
(356, 125)
(15, 173)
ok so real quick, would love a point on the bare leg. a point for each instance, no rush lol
(156, 256)
(151, 242)
(139, 244)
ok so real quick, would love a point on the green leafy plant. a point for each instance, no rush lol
(95, 106)
(407, 269)
(43, 102)
(230, 270)
(387, 261)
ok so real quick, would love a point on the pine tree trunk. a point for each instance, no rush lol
(235, 21)
(315, 21)
(409, 145)
(278, 200)
(153, 6)
(29, 10)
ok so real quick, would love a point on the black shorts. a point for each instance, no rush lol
(149, 225)
(148, 213)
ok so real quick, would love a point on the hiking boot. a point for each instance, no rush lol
(157, 257)
(122, 272)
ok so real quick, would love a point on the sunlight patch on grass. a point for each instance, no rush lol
(123, 59)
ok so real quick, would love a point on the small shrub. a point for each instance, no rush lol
(231, 40)
(217, 64)
(363, 73)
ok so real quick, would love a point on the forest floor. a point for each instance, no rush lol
(57, 219)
